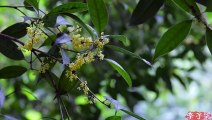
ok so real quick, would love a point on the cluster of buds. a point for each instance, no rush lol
(44, 67)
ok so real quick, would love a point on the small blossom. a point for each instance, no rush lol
(44, 67)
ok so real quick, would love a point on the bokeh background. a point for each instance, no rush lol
(176, 84)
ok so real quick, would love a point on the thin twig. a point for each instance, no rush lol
(65, 108)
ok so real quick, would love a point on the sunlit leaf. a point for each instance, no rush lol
(98, 13)
(17, 30)
(145, 10)
(71, 7)
(121, 38)
(118, 49)
(208, 38)
(62, 38)
(121, 71)
(172, 38)
(117, 105)
(113, 118)
(61, 21)
(65, 57)
(12, 71)
(10, 49)
(2, 97)
(132, 114)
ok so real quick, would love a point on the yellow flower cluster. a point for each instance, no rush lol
(84, 87)
(44, 67)
(35, 34)
(80, 43)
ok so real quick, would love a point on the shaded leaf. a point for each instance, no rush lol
(10, 49)
(132, 114)
(120, 70)
(34, 3)
(71, 7)
(12, 71)
(113, 118)
(2, 97)
(65, 83)
(188, 5)
(98, 13)
(62, 38)
(9, 117)
(207, 3)
(49, 20)
(65, 57)
(61, 21)
(145, 10)
(121, 38)
(117, 105)
(208, 38)
(17, 30)
(77, 19)
(172, 38)
(118, 49)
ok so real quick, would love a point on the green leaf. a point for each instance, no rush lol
(121, 71)
(113, 118)
(49, 20)
(33, 3)
(10, 49)
(65, 84)
(118, 49)
(207, 3)
(121, 38)
(98, 13)
(133, 114)
(145, 10)
(71, 7)
(188, 6)
(17, 30)
(12, 72)
(172, 38)
(77, 19)
(208, 38)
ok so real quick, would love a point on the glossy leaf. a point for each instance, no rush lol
(65, 57)
(77, 19)
(208, 38)
(61, 21)
(98, 13)
(113, 118)
(207, 3)
(65, 83)
(121, 38)
(145, 10)
(17, 30)
(10, 49)
(118, 49)
(117, 105)
(2, 97)
(132, 114)
(71, 7)
(62, 38)
(188, 6)
(121, 71)
(12, 72)
(172, 38)
(33, 3)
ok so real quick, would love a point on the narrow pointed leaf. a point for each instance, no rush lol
(207, 3)
(117, 105)
(172, 38)
(132, 114)
(62, 38)
(208, 38)
(10, 49)
(17, 30)
(34, 3)
(61, 21)
(65, 57)
(121, 38)
(2, 97)
(12, 72)
(120, 70)
(113, 118)
(71, 7)
(145, 10)
(98, 13)
(188, 6)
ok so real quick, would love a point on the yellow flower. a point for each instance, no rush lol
(44, 67)
(80, 43)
